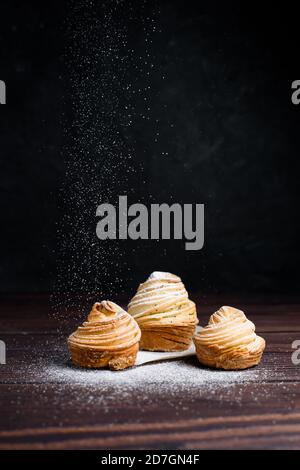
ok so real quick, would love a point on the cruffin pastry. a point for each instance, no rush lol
(108, 338)
(166, 316)
(229, 341)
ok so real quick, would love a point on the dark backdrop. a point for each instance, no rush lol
(164, 101)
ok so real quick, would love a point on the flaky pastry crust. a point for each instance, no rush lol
(166, 316)
(109, 338)
(229, 341)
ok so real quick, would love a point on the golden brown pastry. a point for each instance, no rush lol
(110, 337)
(165, 314)
(229, 341)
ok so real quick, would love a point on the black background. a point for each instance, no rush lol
(221, 130)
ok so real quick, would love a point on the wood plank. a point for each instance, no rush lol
(28, 355)
(36, 313)
(118, 427)
(58, 404)
(24, 341)
(31, 367)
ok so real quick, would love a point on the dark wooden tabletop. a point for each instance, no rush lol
(42, 411)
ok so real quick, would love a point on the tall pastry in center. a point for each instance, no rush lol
(165, 314)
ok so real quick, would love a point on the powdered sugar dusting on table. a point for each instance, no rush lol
(165, 376)
(179, 384)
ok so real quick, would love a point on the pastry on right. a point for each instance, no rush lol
(229, 341)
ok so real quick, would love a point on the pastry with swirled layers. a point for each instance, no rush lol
(166, 316)
(229, 341)
(108, 338)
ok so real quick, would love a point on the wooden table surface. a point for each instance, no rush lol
(46, 413)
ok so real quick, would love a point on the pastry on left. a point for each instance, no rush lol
(108, 338)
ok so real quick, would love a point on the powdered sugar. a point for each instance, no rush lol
(181, 385)
(172, 375)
